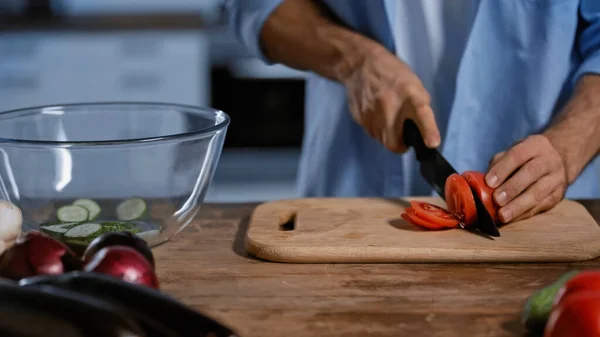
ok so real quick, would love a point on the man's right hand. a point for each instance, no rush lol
(383, 92)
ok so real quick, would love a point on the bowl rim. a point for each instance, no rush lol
(195, 134)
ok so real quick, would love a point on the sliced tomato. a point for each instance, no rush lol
(459, 199)
(411, 216)
(477, 181)
(434, 214)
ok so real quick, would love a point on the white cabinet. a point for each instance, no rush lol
(51, 68)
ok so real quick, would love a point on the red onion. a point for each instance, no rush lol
(125, 263)
(37, 254)
(119, 239)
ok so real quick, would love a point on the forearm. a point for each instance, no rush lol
(300, 35)
(576, 132)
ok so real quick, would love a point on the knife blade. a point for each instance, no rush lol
(436, 169)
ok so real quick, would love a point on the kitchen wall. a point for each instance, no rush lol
(170, 51)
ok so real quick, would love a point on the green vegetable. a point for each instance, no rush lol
(148, 234)
(131, 209)
(56, 228)
(83, 231)
(72, 213)
(92, 207)
(539, 304)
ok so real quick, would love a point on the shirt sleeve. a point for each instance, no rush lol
(246, 19)
(589, 38)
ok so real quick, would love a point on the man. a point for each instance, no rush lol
(511, 86)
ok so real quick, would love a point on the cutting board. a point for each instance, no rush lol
(371, 230)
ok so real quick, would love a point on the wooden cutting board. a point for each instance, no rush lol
(370, 230)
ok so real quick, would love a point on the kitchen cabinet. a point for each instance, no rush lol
(43, 68)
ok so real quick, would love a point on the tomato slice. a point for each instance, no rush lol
(477, 181)
(434, 214)
(459, 199)
(411, 216)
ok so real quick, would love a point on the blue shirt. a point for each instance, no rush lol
(519, 67)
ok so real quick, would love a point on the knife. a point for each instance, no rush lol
(436, 169)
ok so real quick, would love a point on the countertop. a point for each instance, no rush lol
(206, 267)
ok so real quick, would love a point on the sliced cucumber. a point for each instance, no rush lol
(84, 231)
(72, 213)
(131, 209)
(148, 234)
(56, 228)
(92, 207)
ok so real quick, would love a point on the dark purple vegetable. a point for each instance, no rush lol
(119, 239)
(48, 311)
(145, 301)
(125, 263)
(37, 254)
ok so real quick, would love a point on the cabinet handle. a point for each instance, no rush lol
(140, 48)
(140, 81)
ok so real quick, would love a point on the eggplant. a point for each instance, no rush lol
(47, 311)
(146, 302)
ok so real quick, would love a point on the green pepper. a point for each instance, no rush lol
(539, 304)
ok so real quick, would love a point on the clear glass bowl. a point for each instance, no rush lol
(165, 154)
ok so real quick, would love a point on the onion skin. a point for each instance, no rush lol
(37, 254)
(11, 221)
(124, 263)
(119, 239)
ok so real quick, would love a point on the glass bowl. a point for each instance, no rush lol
(146, 166)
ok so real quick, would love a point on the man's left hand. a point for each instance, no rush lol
(528, 179)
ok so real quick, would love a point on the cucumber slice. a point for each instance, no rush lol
(92, 207)
(83, 231)
(59, 229)
(131, 209)
(148, 234)
(72, 213)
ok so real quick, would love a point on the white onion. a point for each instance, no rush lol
(11, 220)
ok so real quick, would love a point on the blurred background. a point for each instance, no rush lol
(175, 51)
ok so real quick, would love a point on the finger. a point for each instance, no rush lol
(425, 120)
(525, 176)
(532, 197)
(418, 101)
(548, 203)
(385, 120)
(496, 158)
(516, 157)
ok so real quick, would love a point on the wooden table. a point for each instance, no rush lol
(206, 267)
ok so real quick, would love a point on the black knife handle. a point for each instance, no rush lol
(412, 138)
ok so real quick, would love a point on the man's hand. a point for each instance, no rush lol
(382, 93)
(529, 178)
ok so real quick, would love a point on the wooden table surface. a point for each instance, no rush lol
(206, 267)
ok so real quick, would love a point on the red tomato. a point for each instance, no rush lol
(434, 214)
(459, 199)
(411, 216)
(477, 181)
(576, 316)
(588, 280)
